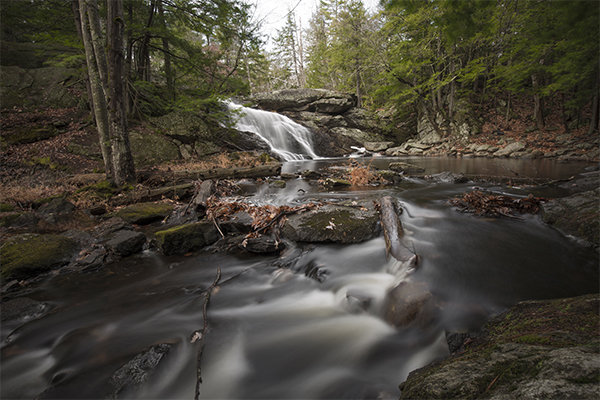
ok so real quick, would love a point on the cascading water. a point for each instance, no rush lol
(286, 138)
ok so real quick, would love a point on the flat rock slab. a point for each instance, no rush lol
(333, 223)
(576, 215)
(144, 213)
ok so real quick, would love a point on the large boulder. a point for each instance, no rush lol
(320, 100)
(27, 255)
(538, 349)
(151, 149)
(185, 238)
(333, 223)
(410, 305)
(125, 243)
(577, 215)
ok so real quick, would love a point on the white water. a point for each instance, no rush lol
(289, 140)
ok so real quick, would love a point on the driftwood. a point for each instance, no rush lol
(258, 171)
(201, 333)
(394, 233)
(145, 195)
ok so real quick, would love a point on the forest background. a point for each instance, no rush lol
(431, 59)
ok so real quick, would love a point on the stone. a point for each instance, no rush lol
(336, 183)
(405, 167)
(27, 255)
(302, 100)
(186, 238)
(377, 146)
(279, 184)
(263, 244)
(144, 213)
(509, 149)
(449, 177)
(333, 223)
(537, 349)
(125, 243)
(20, 309)
(149, 149)
(138, 370)
(396, 151)
(409, 304)
(576, 215)
(357, 135)
(332, 106)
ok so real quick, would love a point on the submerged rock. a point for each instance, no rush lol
(26, 255)
(410, 305)
(333, 223)
(405, 167)
(138, 370)
(19, 309)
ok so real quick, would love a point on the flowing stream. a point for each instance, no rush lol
(289, 140)
(274, 332)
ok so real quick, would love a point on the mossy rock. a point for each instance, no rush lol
(144, 213)
(9, 220)
(28, 255)
(6, 207)
(151, 149)
(185, 238)
(336, 224)
(537, 349)
(101, 190)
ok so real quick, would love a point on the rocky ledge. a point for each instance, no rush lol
(536, 350)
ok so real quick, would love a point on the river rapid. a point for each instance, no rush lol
(274, 336)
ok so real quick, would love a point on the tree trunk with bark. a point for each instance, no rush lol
(595, 122)
(538, 112)
(98, 98)
(124, 168)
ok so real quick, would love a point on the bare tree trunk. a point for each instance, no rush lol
(595, 122)
(97, 41)
(129, 59)
(166, 53)
(538, 111)
(98, 98)
(88, 87)
(124, 168)
(358, 86)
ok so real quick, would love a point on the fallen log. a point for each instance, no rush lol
(206, 190)
(393, 232)
(144, 195)
(258, 171)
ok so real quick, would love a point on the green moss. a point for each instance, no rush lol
(6, 207)
(103, 190)
(533, 339)
(144, 213)
(8, 220)
(27, 255)
(186, 238)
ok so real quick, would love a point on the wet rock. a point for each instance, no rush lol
(20, 309)
(308, 174)
(336, 183)
(144, 213)
(405, 167)
(185, 238)
(105, 229)
(27, 255)
(125, 243)
(410, 305)
(458, 341)
(279, 184)
(389, 175)
(264, 244)
(316, 271)
(55, 208)
(576, 215)
(333, 223)
(378, 146)
(537, 349)
(138, 370)
(358, 135)
(449, 177)
(238, 223)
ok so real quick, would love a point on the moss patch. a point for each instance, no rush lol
(27, 255)
(144, 213)
(186, 238)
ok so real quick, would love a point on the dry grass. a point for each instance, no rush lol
(222, 160)
(24, 195)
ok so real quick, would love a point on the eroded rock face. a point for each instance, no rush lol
(319, 100)
(331, 223)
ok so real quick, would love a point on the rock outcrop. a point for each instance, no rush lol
(537, 349)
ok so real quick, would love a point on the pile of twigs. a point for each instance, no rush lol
(489, 205)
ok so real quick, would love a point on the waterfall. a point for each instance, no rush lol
(289, 140)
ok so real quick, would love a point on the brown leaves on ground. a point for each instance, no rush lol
(489, 205)
(264, 217)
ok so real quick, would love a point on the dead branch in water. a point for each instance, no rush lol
(201, 334)
(489, 205)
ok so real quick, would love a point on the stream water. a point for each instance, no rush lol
(292, 338)
(287, 336)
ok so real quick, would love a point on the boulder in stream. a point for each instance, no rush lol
(333, 223)
(27, 255)
(144, 213)
(538, 349)
(185, 238)
(410, 305)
